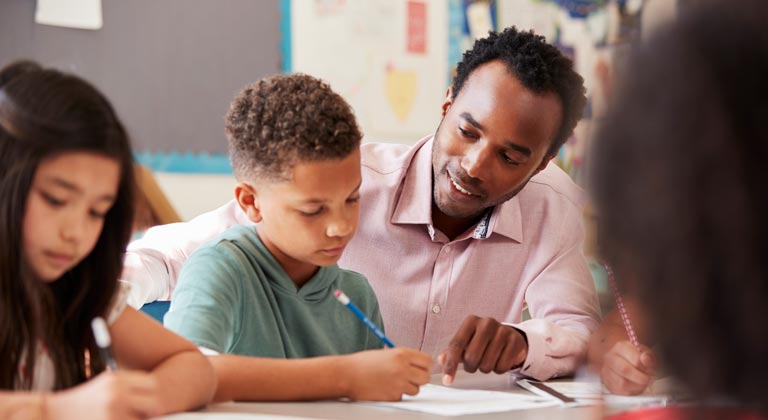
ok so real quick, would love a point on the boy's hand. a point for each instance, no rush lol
(484, 344)
(385, 375)
(111, 395)
(627, 370)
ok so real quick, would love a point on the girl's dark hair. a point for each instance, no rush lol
(680, 188)
(44, 113)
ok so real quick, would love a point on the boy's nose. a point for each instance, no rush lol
(341, 227)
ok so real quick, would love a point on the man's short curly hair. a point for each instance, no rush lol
(284, 119)
(539, 66)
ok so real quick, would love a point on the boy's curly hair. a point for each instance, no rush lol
(540, 67)
(281, 120)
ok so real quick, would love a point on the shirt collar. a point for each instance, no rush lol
(414, 203)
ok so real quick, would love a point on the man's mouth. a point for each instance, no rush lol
(461, 189)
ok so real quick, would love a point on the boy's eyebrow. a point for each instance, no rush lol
(512, 145)
(74, 188)
(319, 201)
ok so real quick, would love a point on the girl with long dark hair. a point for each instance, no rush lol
(66, 209)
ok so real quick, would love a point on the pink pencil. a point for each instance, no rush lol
(622, 308)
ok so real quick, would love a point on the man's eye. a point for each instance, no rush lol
(467, 133)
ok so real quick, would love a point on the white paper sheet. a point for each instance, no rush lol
(593, 391)
(444, 401)
(81, 14)
(228, 416)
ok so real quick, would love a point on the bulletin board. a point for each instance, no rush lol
(169, 67)
(388, 58)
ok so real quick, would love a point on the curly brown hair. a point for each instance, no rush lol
(284, 119)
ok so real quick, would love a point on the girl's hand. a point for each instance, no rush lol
(385, 375)
(627, 370)
(109, 396)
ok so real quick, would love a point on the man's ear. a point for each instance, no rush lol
(448, 100)
(248, 199)
(544, 163)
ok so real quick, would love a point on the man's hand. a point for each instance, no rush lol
(484, 344)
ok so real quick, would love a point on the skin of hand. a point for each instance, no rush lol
(623, 368)
(483, 344)
(628, 370)
(111, 396)
(387, 374)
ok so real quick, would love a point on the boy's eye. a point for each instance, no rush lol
(311, 213)
(352, 200)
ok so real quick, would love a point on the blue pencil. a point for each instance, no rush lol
(344, 299)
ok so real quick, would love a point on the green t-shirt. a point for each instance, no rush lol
(234, 297)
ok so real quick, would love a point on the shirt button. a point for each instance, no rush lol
(436, 309)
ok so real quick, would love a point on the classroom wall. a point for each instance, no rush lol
(172, 66)
(169, 67)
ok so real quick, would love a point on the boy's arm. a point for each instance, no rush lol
(207, 301)
(153, 263)
(373, 375)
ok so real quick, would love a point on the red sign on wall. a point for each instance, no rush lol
(417, 27)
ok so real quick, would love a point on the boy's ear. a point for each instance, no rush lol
(248, 199)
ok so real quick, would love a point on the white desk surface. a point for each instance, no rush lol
(346, 410)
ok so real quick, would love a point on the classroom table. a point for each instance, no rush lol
(347, 410)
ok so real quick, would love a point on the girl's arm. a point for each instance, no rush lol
(185, 378)
(623, 368)
(21, 405)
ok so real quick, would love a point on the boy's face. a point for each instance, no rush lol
(69, 198)
(307, 221)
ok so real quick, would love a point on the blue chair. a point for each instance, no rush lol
(157, 309)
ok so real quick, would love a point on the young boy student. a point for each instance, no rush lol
(258, 295)
(66, 213)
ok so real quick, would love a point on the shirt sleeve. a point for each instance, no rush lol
(119, 302)
(152, 264)
(205, 304)
(563, 305)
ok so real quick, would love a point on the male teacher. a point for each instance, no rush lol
(464, 230)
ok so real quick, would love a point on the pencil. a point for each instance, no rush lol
(361, 316)
(103, 341)
(621, 307)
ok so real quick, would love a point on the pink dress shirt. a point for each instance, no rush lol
(528, 252)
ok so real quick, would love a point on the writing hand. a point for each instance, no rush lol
(627, 370)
